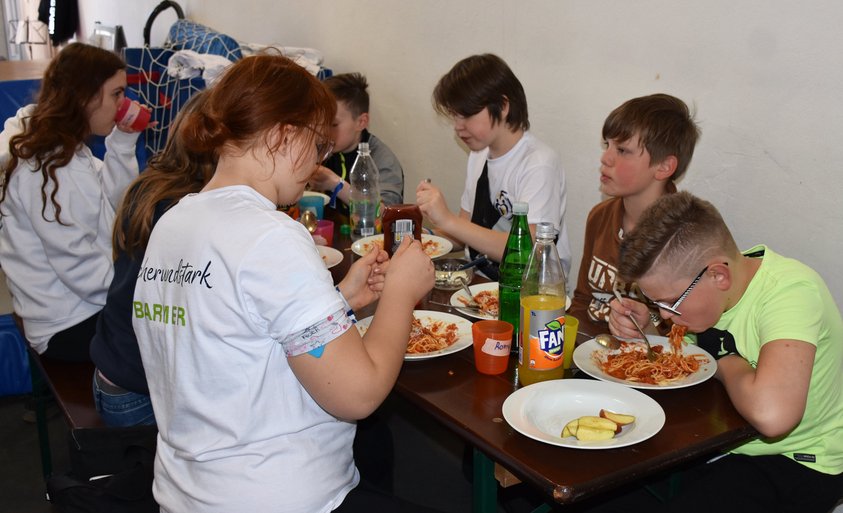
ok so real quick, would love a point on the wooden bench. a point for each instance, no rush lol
(70, 384)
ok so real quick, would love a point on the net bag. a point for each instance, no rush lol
(147, 77)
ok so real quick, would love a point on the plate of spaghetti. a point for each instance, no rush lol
(485, 294)
(433, 246)
(688, 366)
(541, 410)
(432, 334)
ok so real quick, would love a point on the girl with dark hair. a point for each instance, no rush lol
(57, 200)
(121, 393)
(255, 369)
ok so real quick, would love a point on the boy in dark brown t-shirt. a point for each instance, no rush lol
(649, 142)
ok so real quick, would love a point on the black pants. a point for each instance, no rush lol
(74, 343)
(735, 483)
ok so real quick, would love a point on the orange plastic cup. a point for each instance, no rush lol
(492, 342)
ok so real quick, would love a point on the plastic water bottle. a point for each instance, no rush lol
(514, 261)
(364, 207)
(540, 355)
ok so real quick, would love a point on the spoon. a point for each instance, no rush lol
(308, 219)
(650, 354)
(608, 341)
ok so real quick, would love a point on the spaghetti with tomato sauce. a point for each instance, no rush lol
(431, 336)
(630, 362)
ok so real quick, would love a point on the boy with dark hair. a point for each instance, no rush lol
(507, 163)
(350, 128)
(777, 336)
(649, 142)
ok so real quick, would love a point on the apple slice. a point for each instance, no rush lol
(591, 434)
(570, 428)
(620, 419)
(599, 423)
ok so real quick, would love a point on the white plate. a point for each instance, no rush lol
(541, 410)
(325, 197)
(583, 361)
(364, 245)
(330, 256)
(463, 328)
(475, 289)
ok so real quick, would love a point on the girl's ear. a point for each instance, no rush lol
(279, 137)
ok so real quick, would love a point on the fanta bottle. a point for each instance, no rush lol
(542, 332)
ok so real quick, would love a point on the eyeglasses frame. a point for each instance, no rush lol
(673, 308)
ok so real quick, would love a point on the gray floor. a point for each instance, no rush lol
(428, 466)
(21, 482)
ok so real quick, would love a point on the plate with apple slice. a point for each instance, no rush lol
(607, 415)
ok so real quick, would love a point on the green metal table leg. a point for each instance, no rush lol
(40, 393)
(485, 489)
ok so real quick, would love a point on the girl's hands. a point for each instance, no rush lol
(365, 279)
(411, 269)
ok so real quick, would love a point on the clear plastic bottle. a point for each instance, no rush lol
(540, 355)
(364, 206)
(518, 248)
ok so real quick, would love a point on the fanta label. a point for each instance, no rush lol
(547, 338)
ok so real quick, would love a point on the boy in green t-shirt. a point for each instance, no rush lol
(777, 336)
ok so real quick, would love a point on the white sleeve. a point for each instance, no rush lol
(120, 164)
(286, 286)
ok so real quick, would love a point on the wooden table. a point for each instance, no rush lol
(700, 421)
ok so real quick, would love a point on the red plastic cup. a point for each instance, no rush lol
(492, 342)
(132, 114)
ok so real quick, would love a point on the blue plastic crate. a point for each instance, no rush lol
(14, 361)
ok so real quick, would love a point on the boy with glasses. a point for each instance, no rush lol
(777, 336)
(649, 142)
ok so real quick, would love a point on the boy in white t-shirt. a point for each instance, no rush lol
(507, 163)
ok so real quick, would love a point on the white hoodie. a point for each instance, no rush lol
(59, 274)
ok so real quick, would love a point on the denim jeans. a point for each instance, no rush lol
(122, 409)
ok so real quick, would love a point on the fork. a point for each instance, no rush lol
(471, 302)
(650, 354)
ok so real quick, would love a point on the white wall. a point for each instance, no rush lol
(764, 76)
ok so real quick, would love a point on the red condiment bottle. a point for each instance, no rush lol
(399, 221)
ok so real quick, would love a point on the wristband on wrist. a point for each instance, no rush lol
(335, 193)
(348, 310)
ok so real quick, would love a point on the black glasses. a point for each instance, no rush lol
(324, 149)
(673, 308)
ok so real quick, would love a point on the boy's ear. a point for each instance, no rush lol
(666, 167)
(362, 122)
(722, 275)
